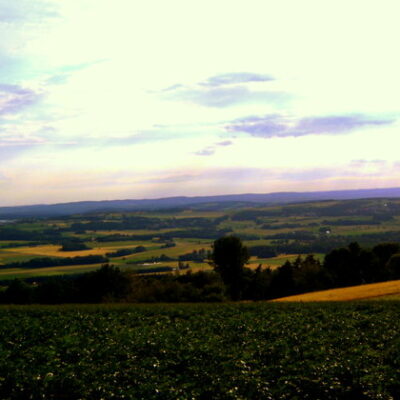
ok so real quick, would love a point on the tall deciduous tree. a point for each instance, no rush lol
(228, 257)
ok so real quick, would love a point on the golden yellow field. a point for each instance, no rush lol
(361, 292)
(51, 250)
(253, 264)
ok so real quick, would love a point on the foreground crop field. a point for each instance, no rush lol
(360, 292)
(234, 351)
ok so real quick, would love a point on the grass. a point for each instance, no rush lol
(275, 262)
(260, 242)
(23, 273)
(389, 290)
(11, 242)
(395, 297)
(182, 247)
(13, 256)
(355, 230)
(31, 226)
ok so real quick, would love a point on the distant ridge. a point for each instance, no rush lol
(61, 209)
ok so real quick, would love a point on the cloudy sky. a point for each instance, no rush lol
(118, 99)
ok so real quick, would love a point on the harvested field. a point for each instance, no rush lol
(361, 292)
(51, 250)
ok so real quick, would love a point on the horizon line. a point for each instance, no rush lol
(204, 196)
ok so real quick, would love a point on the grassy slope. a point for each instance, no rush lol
(361, 292)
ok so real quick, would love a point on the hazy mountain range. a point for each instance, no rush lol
(199, 202)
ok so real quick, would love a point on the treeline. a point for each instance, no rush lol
(110, 284)
(196, 256)
(200, 255)
(296, 243)
(104, 285)
(40, 236)
(190, 287)
(375, 220)
(344, 266)
(169, 236)
(150, 223)
(284, 246)
(153, 259)
(42, 262)
(296, 235)
(126, 252)
(281, 226)
(379, 210)
(74, 245)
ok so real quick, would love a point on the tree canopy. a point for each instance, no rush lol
(228, 258)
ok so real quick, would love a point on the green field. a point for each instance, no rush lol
(274, 262)
(231, 351)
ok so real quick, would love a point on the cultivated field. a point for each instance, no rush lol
(324, 351)
(55, 251)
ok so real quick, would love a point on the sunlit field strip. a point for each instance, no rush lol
(278, 261)
(134, 231)
(180, 248)
(13, 273)
(10, 242)
(13, 256)
(51, 250)
(361, 292)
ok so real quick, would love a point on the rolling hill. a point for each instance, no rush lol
(198, 202)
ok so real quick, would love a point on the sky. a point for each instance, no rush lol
(121, 99)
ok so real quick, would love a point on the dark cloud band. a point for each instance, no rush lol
(226, 90)
(235, 78)
(14, 98)
(278, 126)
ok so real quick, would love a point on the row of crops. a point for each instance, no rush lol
(231, 351)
